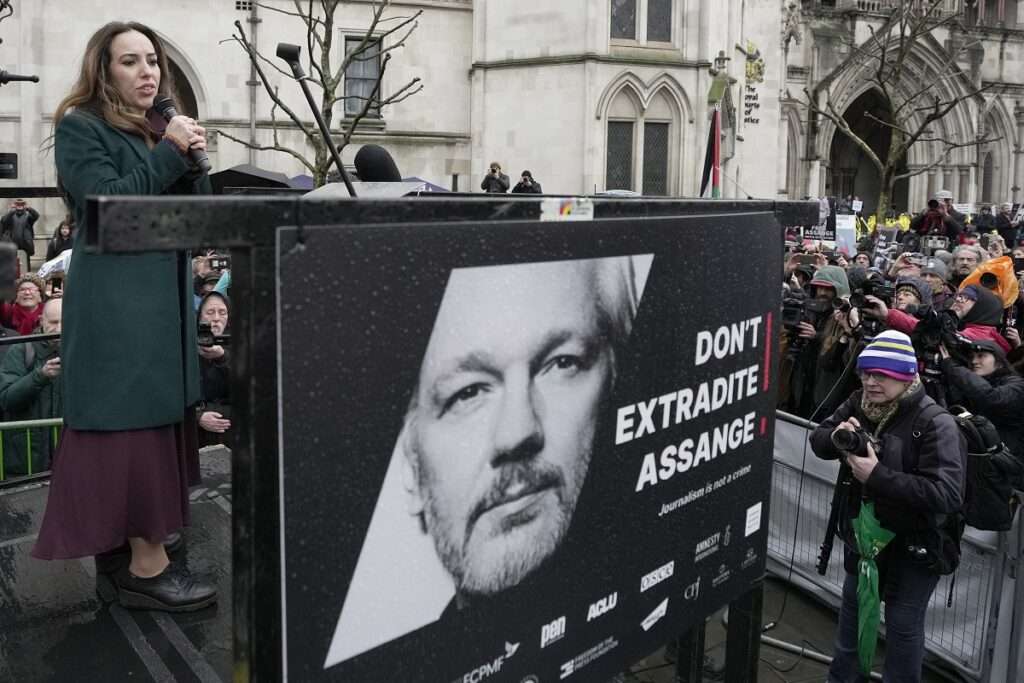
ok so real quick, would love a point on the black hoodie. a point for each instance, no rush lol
(987, 308)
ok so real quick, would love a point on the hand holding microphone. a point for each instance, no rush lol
(184, 132)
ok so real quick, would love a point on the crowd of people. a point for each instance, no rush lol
(893, 350)
(29, 371)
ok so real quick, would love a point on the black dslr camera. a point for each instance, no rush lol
(206, 338)
(936, 328)
(798, 309)
(219, 263)
(855, 442)
(875, 285)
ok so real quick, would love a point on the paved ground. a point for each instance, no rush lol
(56, 627)
(804, 623)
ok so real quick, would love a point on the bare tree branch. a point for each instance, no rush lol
(383, 37)
(308, 19)
(840, 122)
(243, 40)
(266, 148)
(311, 37)
(917, 94)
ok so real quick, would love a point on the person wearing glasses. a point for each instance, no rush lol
(912, 472)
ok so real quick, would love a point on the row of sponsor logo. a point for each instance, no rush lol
(556, 630)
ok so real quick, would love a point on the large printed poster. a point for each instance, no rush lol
(521, 451)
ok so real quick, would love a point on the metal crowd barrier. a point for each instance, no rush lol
(33, 468)
(34, 471)
(977, 636)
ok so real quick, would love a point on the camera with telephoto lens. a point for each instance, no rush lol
(876, 286)
(206, 338)
(855, 442)
(798, 308)
(935, 328)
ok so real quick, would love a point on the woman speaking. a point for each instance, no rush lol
(128, 452)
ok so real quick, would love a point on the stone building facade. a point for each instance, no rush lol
(590, 95)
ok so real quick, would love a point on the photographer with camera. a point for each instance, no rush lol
(495, 182)
(527, 185)
(977, 315)
(214, 409)
(902, 462)
(1003, 224)
(937, 219)
(811, 333)
(986, 385)
(30, 389)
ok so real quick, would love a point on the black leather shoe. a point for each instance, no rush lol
(112, 560)
(173, 590)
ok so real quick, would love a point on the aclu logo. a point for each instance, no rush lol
(692, 592)
(602, 606)
(552, 632)
(654, 617)
(491, 668)
(663, 572)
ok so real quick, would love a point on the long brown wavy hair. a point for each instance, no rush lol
(94, 90)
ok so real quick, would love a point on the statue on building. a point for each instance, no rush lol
(755, 64)
(791, 17)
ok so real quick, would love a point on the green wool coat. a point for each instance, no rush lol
(128, 347)
(27, 394)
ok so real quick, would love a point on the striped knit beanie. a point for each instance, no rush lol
(890, 353)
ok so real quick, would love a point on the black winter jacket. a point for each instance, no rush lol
(999, 397)
(912, 486)
(498, 184)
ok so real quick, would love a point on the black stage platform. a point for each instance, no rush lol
(54, 627)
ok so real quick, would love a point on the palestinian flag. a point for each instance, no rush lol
(711, 180)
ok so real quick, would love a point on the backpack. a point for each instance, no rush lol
(991, 473)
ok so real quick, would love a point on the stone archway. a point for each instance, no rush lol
(847, 84)
(188, 85)
(186, 96)
(850, 170)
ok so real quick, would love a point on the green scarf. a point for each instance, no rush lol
(881, 413)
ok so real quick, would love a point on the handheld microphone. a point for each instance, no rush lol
(164, 106)
(375, 165)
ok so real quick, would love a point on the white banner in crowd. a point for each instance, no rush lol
(846, 234)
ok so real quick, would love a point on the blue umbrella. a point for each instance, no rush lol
(427, 185)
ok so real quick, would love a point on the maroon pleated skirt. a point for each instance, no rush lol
(107, 487)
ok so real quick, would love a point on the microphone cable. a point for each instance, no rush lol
(800, 489)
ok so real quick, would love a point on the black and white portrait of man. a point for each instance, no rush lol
(495, 444)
